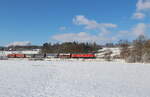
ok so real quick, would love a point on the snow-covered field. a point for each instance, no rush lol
(73, 79)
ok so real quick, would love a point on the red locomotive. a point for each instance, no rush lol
(83, 56)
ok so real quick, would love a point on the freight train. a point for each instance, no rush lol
(60, 55)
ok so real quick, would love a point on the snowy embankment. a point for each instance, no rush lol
(73, 79)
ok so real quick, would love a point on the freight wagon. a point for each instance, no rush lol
(20, 55)
(64, 56)
(29, 55)
(11, 55)
(16, 56)
(49, 55)
(39, 55)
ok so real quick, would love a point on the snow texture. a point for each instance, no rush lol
(73, 79)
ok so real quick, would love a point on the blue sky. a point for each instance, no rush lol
(39, 21)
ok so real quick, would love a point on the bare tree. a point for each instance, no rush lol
(146, 55)
(137, 50)
(124, 47)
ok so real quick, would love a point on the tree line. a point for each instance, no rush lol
(70, 47)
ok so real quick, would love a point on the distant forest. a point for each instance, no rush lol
(70, 47)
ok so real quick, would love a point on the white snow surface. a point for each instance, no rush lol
(73, 79)
(115, 51)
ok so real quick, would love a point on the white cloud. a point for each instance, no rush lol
(140, 29)
(143, 5)
(100, 37)
(138, 15)
(92, 24)
(24, 43)
(81, 37)
(134, 32)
